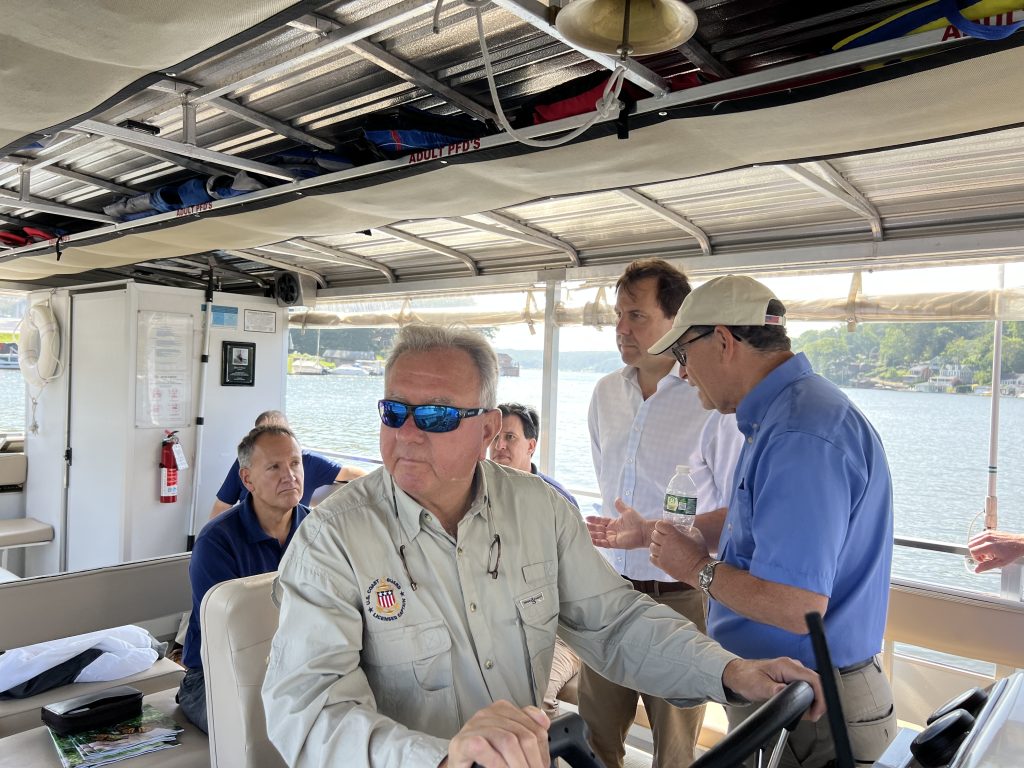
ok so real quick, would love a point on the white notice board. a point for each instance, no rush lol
(163, 370)
(260, 321)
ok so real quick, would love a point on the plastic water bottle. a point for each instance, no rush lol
(680, 499)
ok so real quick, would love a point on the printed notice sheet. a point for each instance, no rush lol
(163, 375)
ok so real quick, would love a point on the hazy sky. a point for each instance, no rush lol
(896, 281)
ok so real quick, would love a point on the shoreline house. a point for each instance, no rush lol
(951, 377)
(506, 365)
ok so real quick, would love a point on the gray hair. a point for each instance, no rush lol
(425, 338)
(248, 444)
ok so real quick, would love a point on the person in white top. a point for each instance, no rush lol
(644, 420)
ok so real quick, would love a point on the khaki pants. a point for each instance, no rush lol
(870, 720)
(565, 669)
(609, 709)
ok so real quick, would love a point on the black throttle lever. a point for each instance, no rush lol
(569, 739)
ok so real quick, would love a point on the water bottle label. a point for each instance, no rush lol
(680, 505)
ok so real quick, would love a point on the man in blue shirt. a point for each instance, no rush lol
(249, 538)
(809, 525)
(516, 443)
(319, 471)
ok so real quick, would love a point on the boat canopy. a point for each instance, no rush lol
(907, 151)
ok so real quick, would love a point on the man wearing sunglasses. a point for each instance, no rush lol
(419, 603)
(810, 521)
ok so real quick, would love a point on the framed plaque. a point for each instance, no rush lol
(238, 364)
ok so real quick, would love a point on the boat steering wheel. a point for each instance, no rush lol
(781, 711)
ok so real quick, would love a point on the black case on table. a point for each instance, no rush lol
(93, 710)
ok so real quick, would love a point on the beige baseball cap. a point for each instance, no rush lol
(726, 300)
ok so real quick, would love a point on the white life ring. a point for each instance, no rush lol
(39, 346)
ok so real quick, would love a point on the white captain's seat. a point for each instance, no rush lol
(238, 619)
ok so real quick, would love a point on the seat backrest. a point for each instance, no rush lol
(13, 468)
(49, 607)
(238, 619)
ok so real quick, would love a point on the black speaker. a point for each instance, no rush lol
(294, 290)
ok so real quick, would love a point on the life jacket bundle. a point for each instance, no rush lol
(401, 131)
(174, 197)
(576, 97)
(307, 163)
(28, 235)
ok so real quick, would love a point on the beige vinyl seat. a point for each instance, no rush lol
(238, 619)
(50, 607)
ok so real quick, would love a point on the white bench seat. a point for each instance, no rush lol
(24, 531)
(23, 714)
(34, 748)
(50, 607)
(21, 532)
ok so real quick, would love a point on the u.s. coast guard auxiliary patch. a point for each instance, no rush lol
(385, 599)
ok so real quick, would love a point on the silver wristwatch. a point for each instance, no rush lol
(707, 575)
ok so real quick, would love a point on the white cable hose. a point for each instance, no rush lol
(607, 106)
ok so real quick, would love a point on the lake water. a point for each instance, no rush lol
(937, 447)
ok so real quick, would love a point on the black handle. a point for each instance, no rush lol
(569, 739)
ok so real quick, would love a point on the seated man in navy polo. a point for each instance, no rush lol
(515, 444)
(249, 538)
(320, 471)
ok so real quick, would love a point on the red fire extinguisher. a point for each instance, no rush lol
(168, 468)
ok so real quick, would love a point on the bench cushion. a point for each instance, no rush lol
(34, 748)
(13, 468)
(24, 530)
(18, 715)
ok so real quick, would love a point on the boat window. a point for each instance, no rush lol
(338, 412)
(12, 390)
(926, 386)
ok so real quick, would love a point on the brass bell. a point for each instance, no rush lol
(653, 26)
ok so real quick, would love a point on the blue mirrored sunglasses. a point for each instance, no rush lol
(429, 418)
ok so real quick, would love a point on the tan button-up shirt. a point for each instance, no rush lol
(368, 670)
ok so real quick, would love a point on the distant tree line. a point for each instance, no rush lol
(889, 350)
(372, 341)
(875, 350)
(375, 342)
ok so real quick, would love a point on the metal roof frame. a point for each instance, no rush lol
(224, 110)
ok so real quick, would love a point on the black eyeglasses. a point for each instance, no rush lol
(495, 550)
(678, 349)
(429, 418)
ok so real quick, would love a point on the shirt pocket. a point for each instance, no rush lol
(410, 668)
(538, 618)
(540, 573)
